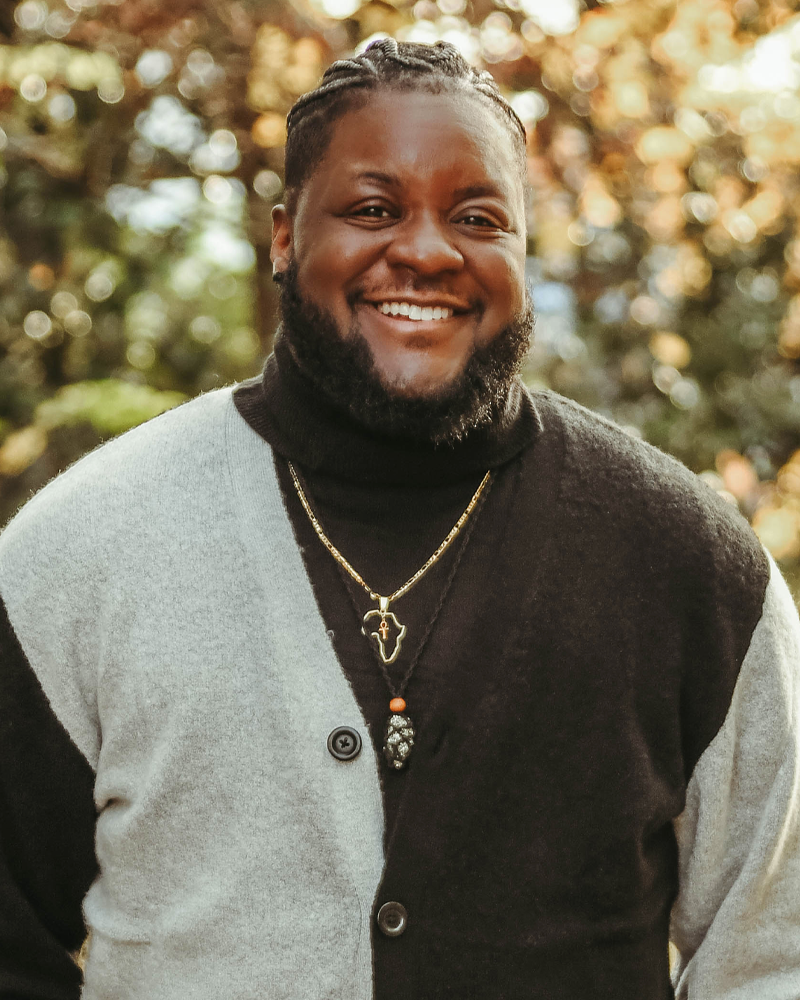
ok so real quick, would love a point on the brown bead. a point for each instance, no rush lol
(397, 705)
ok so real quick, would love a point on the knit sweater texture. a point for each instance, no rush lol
(566, 802)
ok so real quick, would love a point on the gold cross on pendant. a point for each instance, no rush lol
(383, 628)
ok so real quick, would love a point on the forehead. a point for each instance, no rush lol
(419, 137)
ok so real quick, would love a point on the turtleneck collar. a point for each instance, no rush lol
(289, 412)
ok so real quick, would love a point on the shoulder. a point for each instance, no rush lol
(597, 447)
(649, 500)
(183, 435)
(114, 492)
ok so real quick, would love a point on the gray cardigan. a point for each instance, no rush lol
(235, 853)
(237, 857)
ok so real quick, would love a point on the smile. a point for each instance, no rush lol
(407, 310)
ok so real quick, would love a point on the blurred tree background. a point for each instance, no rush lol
(141, 148)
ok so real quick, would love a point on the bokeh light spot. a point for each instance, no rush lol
(267, 184)
(63, 303)
(269, 130)
(339, 8)
(61, 107)
(141, 355)
(452, 6)
(205, 329)
(59, 23)
(217, 189)
(33, 88)
(37, 324)
(740, 226)
(41, 277)
(78, 323)
(530, 105)
(670, 349)
(645, 310)
(778, 528)
(110, 90)
(685, 393)
(99, 286)
(31, 15)
(153, 67)
(554, 17)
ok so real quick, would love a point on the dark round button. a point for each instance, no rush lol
(344, 743)
(392, 919)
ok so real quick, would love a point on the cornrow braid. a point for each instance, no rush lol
(385, 64)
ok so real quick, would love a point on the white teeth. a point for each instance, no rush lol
(424, 313)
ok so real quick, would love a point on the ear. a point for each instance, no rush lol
(282, 239)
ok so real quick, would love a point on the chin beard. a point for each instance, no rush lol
(342, 368)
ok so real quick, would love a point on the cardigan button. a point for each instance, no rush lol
(392, 919)
(344, 743)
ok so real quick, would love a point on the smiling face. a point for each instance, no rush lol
(410, 235)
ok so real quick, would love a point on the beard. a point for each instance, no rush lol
(343, 370)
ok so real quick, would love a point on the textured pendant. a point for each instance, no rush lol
(398, 741)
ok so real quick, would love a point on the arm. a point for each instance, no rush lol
(736, 921)
(47, 817)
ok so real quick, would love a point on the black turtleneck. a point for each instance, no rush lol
(387, 505)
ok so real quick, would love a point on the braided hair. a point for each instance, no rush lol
(389, 65)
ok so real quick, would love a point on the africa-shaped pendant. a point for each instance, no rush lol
(387, 652)
(398, 741)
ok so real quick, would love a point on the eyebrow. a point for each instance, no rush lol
(390, 180)
(468, 191)
(478, 191)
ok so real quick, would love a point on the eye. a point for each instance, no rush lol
(379, 212)
(480, 221)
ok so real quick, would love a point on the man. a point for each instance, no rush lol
(378, 676)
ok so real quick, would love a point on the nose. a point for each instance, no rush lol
(422, 244)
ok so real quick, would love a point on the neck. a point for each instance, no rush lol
(287, 409)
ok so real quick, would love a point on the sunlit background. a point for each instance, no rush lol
(141, 145)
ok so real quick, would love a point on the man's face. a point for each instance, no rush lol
(410, 236)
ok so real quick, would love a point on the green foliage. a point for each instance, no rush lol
(110, 406)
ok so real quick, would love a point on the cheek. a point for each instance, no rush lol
(505, 279)
(335, 258)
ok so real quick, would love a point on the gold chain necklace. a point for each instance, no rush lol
(400, 730)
